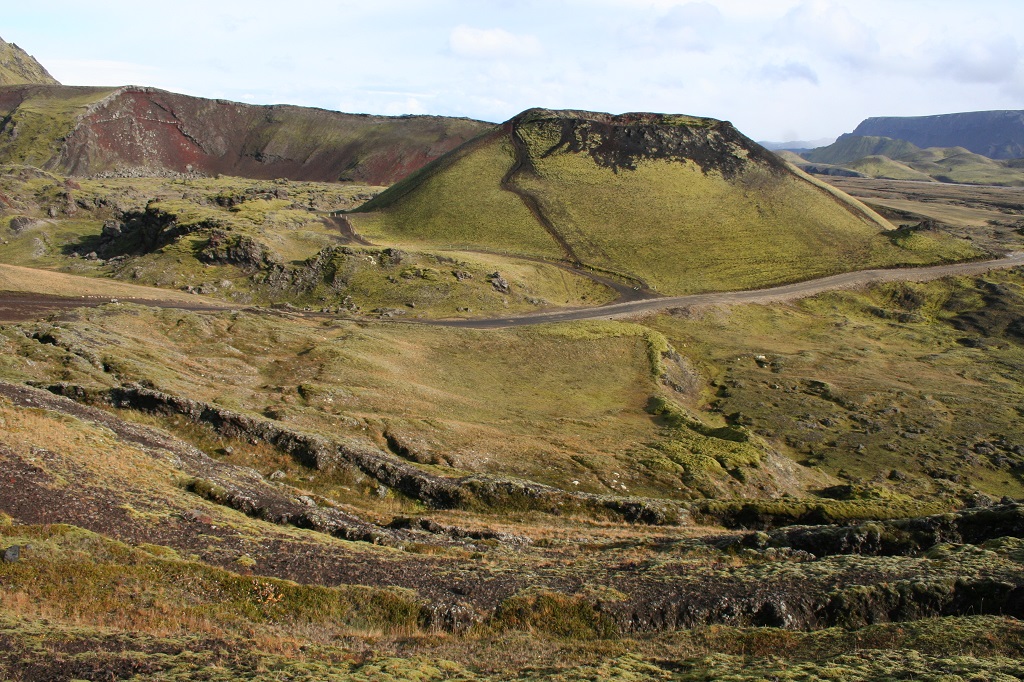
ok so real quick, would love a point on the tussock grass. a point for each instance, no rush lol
(885, 387)
(80, 578)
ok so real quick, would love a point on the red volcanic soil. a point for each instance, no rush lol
(151, 131)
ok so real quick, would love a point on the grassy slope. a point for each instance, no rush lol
(961, 166)
(460, 203)
(43, 120)
(862, 384)
(935, 164)
(646, 223)
(884, 167)
(759, 230)
(488, 401)
(18, 67)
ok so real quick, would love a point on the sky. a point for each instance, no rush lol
(778, 69)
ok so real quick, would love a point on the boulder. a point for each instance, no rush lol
(499, 282)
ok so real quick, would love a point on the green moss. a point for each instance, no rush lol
(43, 121)
(554, 614)
(461, 205)
(772, 513)
(207, 490)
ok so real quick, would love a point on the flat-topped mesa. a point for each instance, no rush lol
(622, 140)
(18, 67)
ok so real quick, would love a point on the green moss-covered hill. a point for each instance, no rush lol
(678, 203)
(18, 67)
(849, 148)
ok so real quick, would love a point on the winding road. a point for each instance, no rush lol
(24, 305)
(786, 292)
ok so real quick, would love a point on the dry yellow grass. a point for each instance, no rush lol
(15, 278)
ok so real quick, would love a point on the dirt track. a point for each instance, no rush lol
(20, 305)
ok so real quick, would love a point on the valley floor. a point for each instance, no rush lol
(815, 483)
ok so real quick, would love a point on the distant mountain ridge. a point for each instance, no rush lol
(796, 145)
(17, 67)
(995, 134)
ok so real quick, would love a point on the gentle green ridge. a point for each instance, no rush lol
(850, 148)
(886, 158)
(459, 202)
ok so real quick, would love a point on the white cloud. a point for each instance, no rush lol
(993, 61)
(383, 101)
(830, 31)
(694, 26)
(494, 43)
(409, 105)
(789, 71)
(100, 72)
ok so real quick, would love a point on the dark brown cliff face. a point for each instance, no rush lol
(146, 131)
(619, 142)
(151, 129)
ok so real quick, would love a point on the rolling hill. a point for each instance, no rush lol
(853, 147)
(136, 131)
(887, 158)
(676, 203)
